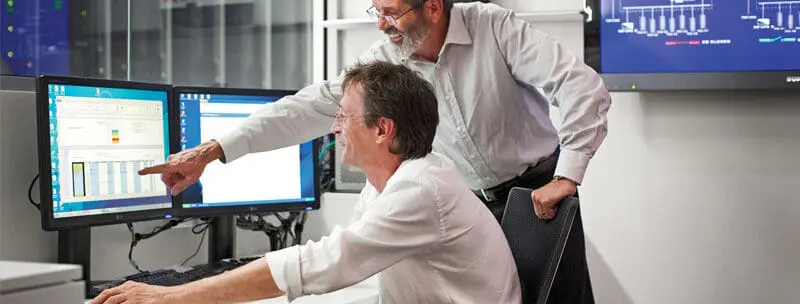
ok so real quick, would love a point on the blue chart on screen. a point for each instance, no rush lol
(99, 139)
(280, 176)
(680, 36)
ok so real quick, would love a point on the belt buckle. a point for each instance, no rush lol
(488, 196)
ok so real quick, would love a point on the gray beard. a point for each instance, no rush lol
(407, 47)
(412, 41)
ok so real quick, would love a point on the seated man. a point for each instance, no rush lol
(417, 225)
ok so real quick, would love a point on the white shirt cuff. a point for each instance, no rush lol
(572, 165)
(285, 267)
(234, 145)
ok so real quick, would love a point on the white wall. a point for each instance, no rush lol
(693, 199)
(21, 235)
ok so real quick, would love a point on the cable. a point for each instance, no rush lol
(204, 231)
(136, 237)
(298, 227)
(30, 192)
(278, 234)
(326, 148)
(130, 249)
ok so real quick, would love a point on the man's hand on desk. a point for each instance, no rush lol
(185, 168)
(138, 293)
(250, 282)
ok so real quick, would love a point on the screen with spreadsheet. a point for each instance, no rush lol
(100, 137)
(276, 180)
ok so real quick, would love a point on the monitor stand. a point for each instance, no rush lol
(221, 238)
(75, 246)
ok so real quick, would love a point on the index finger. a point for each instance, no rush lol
(103, 296)
(162, 168)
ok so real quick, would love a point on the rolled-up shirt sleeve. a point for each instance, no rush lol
(539, 61)
(400, 223)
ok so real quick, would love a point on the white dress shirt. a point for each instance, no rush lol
(427, 237)
(494, 122)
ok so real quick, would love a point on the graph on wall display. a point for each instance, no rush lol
(682, 36)
(661, 18)
(776, 16)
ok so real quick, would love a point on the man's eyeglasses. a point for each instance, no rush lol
(391, 20)
(339, 117)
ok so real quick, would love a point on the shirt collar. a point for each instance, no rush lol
(456, 32)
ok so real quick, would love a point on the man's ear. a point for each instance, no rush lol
(385, 130)
(435, 11)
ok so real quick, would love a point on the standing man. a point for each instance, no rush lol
(487, 68)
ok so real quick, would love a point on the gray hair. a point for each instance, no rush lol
(396, 92)
(448, 4)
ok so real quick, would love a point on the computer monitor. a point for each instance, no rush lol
(285, 179)
(94, 135)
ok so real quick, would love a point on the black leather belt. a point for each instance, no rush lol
(500, 192)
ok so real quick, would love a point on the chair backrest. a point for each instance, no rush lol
(547, 271)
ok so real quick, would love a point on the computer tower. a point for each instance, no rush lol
(347, 178)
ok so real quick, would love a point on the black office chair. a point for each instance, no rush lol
(550, 254)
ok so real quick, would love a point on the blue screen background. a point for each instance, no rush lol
(117, 93)
(190, 137)
(731, 42)
(34, 37)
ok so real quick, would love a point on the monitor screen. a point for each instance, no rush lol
(698, 44)
(95, 138)
(284, 179)
(679, 36)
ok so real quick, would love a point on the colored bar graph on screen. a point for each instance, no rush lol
(78, 180)
(137, 182)
(114, 136)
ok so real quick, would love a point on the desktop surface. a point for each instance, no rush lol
(284, 179)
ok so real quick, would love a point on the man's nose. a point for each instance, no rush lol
(382, 24)
(336, 128)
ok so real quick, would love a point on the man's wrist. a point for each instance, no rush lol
(211, 151)
(558, 178)
(180, 294)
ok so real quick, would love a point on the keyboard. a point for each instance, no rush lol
(174, 276)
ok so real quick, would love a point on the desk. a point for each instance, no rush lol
(363, 293)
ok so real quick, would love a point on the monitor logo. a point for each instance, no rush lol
(793, 79)
(118, 217)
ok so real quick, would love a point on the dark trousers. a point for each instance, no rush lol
(497, 207)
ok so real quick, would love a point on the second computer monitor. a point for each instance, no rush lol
(284, 179)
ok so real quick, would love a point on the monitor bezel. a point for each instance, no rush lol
(49, 222)
(745, 80)
(255, 208)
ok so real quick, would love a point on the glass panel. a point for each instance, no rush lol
(233, 43)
